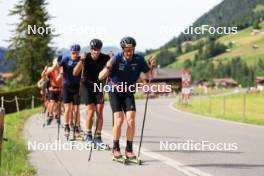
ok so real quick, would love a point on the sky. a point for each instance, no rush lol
(151, 23)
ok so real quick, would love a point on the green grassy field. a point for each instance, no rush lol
(211, 91)
(234, 107)
(259, 8)
(157, 52)
(179, 64)
(14, 154)
(243, 47)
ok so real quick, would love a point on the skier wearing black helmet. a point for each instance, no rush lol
(92, 63)
(125, 69)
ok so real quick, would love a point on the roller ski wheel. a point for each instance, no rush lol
(132, 158)
(79, 137)
(119, 160)
(117, 157)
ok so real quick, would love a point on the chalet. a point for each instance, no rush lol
(166, 76)
(5, 76)
(224, 82)
(260, 83)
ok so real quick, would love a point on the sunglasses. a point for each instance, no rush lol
(128, 49)
(74, 53)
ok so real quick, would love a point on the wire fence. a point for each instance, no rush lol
(16, 103)
(244, 107)
(21, 103)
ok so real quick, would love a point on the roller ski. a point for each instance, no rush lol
(130, 157)
(77, 135)
(117, 156)
(67, 131)
(100, 145)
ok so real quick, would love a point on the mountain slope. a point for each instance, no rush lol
(105, 50)
(247, 46)
(238, 13)
(230, 12)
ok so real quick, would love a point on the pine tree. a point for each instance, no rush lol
(30, 52)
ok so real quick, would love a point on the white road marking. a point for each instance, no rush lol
(189, 171)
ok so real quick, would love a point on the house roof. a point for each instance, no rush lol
(165, 73)
(260, 79)
(6, 75)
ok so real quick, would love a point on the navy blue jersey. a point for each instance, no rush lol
(127, 71)
(68, 65)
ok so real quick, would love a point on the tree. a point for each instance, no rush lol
(179, 50)
(256, 24)
(30, 51)
(165, 57)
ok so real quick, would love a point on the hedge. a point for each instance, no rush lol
(24, 96)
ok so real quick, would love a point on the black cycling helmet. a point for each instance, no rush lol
(75, 47)
(128, 42)
(96, 44)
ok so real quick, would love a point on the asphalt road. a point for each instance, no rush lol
(243, 154)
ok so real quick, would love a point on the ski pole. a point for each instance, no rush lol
(59, 119)
(91, 149)
(96, 124)
(75, 112)
(144, 118)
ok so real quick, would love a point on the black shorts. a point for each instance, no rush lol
(91, 97)
(122, 102)
(54, 95)
(47, 94)
(71, 94)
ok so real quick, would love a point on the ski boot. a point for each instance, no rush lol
(57, 118)
(89, 141)
(117, 156)
(130, 157)
(71, 126)
(77, 133)
(100, 145)
(49, 120)
(67, 131)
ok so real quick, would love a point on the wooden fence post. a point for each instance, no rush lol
(17, 107)
(33, 102)
(2, 118)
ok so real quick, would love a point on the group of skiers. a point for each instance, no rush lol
(74, 76)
